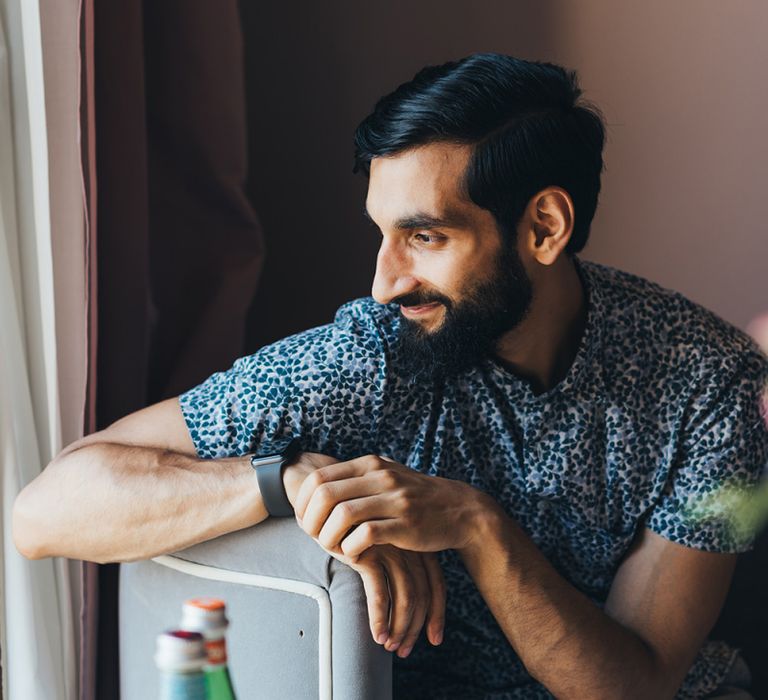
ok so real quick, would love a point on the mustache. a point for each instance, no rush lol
(422, 298)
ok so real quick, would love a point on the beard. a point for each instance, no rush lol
(471, 327)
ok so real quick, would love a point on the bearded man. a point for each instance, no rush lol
(502, 423)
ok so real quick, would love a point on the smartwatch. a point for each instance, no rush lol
(269, 473)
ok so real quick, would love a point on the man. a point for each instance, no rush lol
(545, 424)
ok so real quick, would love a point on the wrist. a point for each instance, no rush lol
(293, 477)
(484, 519)
(269, 474)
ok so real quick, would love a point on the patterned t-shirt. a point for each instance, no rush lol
(659, 408)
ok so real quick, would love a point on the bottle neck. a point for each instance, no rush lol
(216, 650)
(219, 683)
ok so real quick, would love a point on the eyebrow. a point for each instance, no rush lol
(451, 219)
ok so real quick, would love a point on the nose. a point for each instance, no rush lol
(393, 276)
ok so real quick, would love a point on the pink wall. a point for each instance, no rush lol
(683, 86)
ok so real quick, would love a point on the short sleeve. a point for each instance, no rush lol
(724, 447)
(324, 386)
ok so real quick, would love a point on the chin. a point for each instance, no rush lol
(428, 326)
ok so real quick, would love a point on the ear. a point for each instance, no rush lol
(547, 224)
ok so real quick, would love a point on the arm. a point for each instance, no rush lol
(132, 491)
(662, 604)
(136, 490)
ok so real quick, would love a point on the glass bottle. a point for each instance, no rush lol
(180, 658)
(208, 616)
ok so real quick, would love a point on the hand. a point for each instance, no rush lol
(403, 590)
(350, 506)
(295, 473)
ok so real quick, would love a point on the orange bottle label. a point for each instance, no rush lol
(217, 651)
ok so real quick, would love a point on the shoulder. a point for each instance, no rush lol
(361, 332)
(368, 323)
(647, 324)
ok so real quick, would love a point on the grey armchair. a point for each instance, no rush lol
(299, 622)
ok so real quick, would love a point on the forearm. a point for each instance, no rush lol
(110, 502)
(565, 641)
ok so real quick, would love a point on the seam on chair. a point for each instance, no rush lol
(310, 590)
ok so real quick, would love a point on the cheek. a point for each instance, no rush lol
(442, 274)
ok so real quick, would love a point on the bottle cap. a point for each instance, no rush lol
(206, 615)
(180, 651)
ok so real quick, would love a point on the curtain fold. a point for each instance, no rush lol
(179, 246)
(89, 574)
(38, 632)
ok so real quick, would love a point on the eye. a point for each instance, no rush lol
(425, 237)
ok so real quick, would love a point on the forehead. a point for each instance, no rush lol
(428, 178)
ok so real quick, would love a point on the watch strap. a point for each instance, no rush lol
(269, 474)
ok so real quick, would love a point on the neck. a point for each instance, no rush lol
(541, 349)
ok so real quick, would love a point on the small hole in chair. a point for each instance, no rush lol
(301, 633)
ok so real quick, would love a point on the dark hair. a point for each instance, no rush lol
(528, 126)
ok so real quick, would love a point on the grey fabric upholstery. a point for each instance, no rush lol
(276, 642)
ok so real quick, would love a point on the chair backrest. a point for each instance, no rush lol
(743, 621)
(299, 622)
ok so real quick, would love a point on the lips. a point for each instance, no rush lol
(415, 310)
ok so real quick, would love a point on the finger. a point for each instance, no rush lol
(348, 514)
(437, 593)
(333, 472)
(328, 495)
(377, 599)
(324, 475)
(403, 595)
(419, 576)
(369, 533)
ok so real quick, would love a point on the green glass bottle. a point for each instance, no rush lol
(208, 616)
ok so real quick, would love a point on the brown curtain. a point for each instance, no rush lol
(179, 248)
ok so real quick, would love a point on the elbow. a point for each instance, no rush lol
(26, 526)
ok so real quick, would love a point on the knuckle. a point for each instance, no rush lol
(315, 479)
(378, 601)
(371, 461)
(388, 478)
(406, 506)
(344, 510)
(324, 493)
(407, 601)
(324, 538)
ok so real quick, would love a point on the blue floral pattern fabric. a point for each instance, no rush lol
(659, 408)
